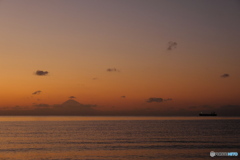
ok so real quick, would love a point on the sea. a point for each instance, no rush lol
(118, 138)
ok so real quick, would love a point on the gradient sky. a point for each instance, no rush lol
(77, 41)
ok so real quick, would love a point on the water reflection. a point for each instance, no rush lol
(73, 138)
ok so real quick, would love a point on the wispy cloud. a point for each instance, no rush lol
(225, 75)
(168, 99)
(123, 96)
(202, 107)
(71, 97)
(41, 73)
(229, 110)
(36, 92)
(158, 100)
(171, 45)
(112, 70)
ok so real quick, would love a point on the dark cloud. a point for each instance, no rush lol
(36, 92)
(71, 97)
(153, 99)
(41, 73)
(168, 99)
(15, 108)
(95, 78)
(150, 100)
(225, 75)
(112, 70)
(123, 96)
(171, 45)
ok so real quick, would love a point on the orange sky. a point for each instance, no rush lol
(77, 41)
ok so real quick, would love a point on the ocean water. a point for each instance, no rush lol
(117, 138)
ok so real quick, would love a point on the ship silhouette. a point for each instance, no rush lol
(205, 114)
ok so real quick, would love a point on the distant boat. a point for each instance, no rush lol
(205, 114)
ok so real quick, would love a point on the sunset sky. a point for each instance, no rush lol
(121, 55)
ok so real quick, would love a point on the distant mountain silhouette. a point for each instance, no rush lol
(71, 102)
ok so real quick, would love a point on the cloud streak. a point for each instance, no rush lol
(36, 92)
(168, 99)
(71, 97)
(171, 45)
(112, 70)
(150, 100)
(225, 75)
(158, 100)
(41, 73)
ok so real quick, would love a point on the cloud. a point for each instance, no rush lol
(150, 100)
(123, 96)
(17, 108)
(95, 78)
(153, 99)
(225, 75)
(171, 45)
(36, 92)
(41, 73)
(112, 70)
(71, 97)
(168, 99)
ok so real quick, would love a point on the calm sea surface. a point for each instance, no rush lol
(117, 138)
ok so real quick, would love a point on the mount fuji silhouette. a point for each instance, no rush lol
(71, 102)
(76, 107)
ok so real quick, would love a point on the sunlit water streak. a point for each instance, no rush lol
(33, 138)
